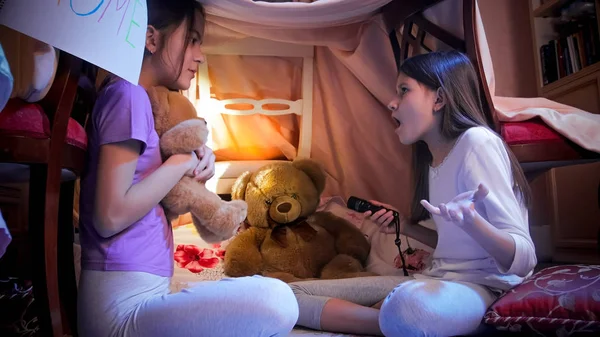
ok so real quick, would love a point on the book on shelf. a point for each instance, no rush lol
(576, 47)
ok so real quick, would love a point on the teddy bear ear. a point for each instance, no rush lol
(238, 191)
(314, 170)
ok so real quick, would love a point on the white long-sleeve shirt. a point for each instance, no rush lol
(478, 157)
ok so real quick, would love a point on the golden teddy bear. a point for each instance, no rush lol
(286, 238)
(182, 131)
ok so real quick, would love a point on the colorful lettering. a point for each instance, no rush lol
(88, 13)
(119, 7)
(132, 23)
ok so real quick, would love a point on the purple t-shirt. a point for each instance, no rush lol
(122, 112)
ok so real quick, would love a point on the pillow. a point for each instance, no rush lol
(383, 256)
(33, 64)
(564, 298)
(195, 260)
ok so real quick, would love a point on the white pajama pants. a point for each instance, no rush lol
(412, 307)
(137, 304)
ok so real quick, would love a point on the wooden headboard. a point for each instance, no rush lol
(412, 33)
(226, 172)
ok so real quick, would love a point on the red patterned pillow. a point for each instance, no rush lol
(565, 297)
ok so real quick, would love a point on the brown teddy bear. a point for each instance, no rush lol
(182, 131)
(286, 238)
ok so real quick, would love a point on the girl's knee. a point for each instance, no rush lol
(401, 314)
(430, 308)
(297, 289)
(276, 304)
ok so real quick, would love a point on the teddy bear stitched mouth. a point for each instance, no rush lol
(272, 223)
(284, 207)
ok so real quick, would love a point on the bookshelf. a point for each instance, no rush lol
(567, 51)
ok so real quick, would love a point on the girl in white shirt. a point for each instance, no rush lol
(470, 183)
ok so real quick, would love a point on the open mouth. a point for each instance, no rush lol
(397, 122)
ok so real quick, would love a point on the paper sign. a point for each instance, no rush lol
(108, 33)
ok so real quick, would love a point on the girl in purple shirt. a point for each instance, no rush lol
(126, 240)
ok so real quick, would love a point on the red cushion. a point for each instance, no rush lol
(25, 119)
(555, 298)
(76, 135)
(528, 132)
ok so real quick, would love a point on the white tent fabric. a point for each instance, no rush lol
(318, 14)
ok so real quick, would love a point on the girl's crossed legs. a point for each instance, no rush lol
(138, 304)
(411, 307)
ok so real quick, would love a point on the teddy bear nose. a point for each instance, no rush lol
(284, 207)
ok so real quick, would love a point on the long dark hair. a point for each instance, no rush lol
(453, 74)
(167, 15)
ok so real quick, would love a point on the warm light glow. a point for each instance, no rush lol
(220, 170)
(204, 107)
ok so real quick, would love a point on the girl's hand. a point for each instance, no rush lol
(206, 166)
(192, 164)
(384, 218)
(461, 209)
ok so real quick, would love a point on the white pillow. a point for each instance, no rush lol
(383, 249)
(33, 64)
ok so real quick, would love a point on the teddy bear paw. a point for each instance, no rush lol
(232, 214)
